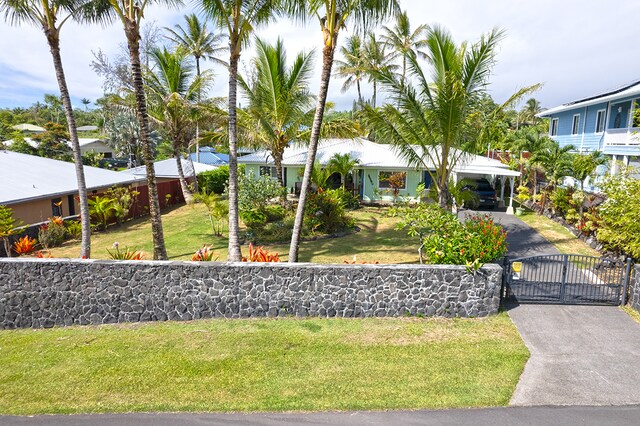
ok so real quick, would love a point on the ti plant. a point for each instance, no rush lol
(205, 254)
(125, 253)
(260, 254)
(25, 245)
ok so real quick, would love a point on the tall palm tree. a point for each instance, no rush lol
(174, 91)
(200, 43)
(535, 143)
(352, 67)
(238, 18)
(531, 108)
(343, 164)
(428, 121)
(46, 15)
(404, 42)
(279, 98)
(86, 102)
(333, 16)
(131, 13)
(555, 161)
(377, 60)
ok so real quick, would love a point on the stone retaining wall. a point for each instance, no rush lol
(48, 292)
(634, 289)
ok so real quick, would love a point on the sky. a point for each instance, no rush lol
(575, 48)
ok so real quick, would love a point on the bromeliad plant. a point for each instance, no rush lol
(25, 245)
(205, 254)
(260, 254)
(125, 253)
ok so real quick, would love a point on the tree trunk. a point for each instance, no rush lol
(327, 64)
(404, 69)
(235, 255)
(133, 43)
(186, 193)
(277, 159)
(375, 90)
(53, 37)
(197, 121)
(359, 92)
(7, 246)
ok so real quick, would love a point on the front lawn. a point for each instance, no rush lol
(261, 365)
(186, 228)
(558, 235)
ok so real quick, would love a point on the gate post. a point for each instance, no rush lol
(625, 287)
(564, 277)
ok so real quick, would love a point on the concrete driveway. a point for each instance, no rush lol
(580, 355)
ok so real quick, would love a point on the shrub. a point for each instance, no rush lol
(253, 218)
(102, 209)
(274, 232)
(124, 254)
(523, 194)
(324, 212)
(274, 213)
(217, 210)
(123, 200)
(258, 192)
(214, 181)
(560, 200)
(51, 234)
(260, 254)
(619, 225)
(205, 254)
(74, 229)
(25, 245)
(349, 201)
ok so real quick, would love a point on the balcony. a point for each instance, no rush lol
(622, 137)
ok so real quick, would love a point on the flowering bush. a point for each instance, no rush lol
(25, 245)
(51, 234)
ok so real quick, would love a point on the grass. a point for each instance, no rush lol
(635, 315)
(186, 228)
(261, 365)
(558, 235)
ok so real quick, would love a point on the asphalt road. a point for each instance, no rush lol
(513, 416)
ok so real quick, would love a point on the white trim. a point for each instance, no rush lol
(604, 119)
(573, 125)
(554, 120)
(404, 188)
(584, 127)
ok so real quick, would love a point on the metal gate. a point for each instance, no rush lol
(566, 278)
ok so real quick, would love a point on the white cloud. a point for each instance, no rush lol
(576, 48)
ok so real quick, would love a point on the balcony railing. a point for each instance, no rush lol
(624, 136)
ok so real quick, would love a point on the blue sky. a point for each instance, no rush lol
(576, 48)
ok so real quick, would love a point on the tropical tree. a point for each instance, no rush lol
(585, 165)
(131, 14)
(238, 18)
(531, 108)
(342, 164)
(535, 144)
(377, 60)
(555, 161)
(403, 42)
(279, 99)
(333, 16)
(203, 45)
(428, 121)
(50, 16)
(173, 92)
(352, 68)
(86, 102)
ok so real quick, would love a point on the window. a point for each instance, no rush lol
(575, 126)
(386, 180)
(268, 171)
(600, 121)
(554, 127)
(56, 207)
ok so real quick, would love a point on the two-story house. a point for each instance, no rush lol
(604, 122)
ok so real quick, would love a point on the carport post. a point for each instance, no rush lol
(501, 192)
(510, 208)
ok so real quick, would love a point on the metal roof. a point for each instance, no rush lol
(82, 141)
(371, 155)
(209, 156)
(627, 90)
(169, 169)
(26, 127)
(87, 128)
(26, 177)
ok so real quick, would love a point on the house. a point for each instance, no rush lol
(37, 188)
(209, 156)
(28, 128)
(376, 163)
(605, 122)
(86, 145)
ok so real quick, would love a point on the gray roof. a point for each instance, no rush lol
(631, 89)
(26, 127)
(28, 177)
(169, 168)
(87, 128)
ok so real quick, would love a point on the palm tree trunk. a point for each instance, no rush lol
(277, 159)
(133, 43)
(404, 69)
(197, 121)
(375, 90)
(186, 193)
(53, 37)
(327, 64)
(359, 92)
(235, 255)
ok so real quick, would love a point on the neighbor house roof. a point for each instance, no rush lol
(87, 128)
(371, 155)
(82, 141)
(26, 127)
(209, 156)
(169, 169)
(28, 177)
(627, 90)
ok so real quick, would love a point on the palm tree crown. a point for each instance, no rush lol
(404, 42)
(353, 65)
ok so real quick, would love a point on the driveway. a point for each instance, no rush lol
(580, 355)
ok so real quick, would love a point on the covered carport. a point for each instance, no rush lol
(491, 173)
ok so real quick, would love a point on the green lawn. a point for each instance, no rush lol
(261, 365)
(187, 228)
(558, 235)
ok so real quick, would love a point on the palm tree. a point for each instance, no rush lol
(238, 18)
(46, 15)
(352, 68)
(173, 92)
(279, 99)
(86, 102)
(428, 121)
(377, 60)
(343, 164)
(535, 143)
(130, 14)
(531, 108)
(202, 45)
(403, 42)
(556, 162)
(333, 16)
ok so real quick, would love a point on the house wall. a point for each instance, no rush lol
(53, 292)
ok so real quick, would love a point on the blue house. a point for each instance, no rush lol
(209, 156)
(603, 122)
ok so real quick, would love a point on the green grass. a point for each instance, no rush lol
(187, 228)
(558, 235)
(261, 365)
(635, 315)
